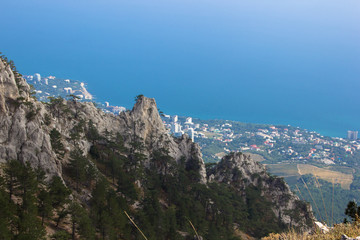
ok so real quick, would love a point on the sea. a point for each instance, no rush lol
(285, 62)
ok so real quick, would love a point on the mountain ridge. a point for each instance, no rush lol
(46, 136)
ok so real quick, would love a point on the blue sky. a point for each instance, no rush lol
(278, 61)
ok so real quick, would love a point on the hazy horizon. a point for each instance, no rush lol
(278, 62)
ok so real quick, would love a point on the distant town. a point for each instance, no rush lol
(279, 143)
(51, 86)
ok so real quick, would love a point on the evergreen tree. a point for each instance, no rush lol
(44, 205)
(12, 170)
(58, 191)
(56, 143)
(76, 131)
(27, 226)
(80, 222)
(77, 167)
(6, 212)
(57, 106)
(92, 133)
(352, 210)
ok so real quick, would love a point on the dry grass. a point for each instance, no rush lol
(351, 230)
(283, 169)
(343, 179)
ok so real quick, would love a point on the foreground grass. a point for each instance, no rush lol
(350, 229)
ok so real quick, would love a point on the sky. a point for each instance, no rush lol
(277, 62)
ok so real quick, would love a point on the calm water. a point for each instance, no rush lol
(280, 61)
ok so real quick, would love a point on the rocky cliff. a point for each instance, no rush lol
(240, 171)
(25, 136)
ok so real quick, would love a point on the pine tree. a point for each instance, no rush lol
(6, 212)
(92, 133)
(58, 191)
(27, 226)
(12, 169)
(80, 222)
(44, 205)
(56, 143)
(352, 210)
(77, 167)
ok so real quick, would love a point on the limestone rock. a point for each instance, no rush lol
(24, 136)
(344, 237)
(240, 171)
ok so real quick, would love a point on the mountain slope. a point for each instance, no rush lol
(130, 162)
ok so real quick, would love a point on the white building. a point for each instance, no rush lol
(175, 118)
(189, 120)
(37, 77)
(190, 132)
(175, 128)
(352, 135)
(68, 90)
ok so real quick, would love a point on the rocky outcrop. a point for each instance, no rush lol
(345, 237)
(21, 134)
(240, 171)
(25, 136)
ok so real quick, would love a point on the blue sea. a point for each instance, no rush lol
(278, 62)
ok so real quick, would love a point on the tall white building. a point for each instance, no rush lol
(352, 135)
(175, 118)
(190, 132)
(37, 77)
(175, 128)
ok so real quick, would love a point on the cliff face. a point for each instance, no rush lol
(25, 136)
(26, 125)
(22, 137)
(240, 171)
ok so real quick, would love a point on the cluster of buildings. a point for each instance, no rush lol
(291, 144)
(178, 128)
(51, 86)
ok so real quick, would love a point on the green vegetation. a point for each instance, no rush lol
(138, 97)
(328, 200)
(24, 197)
(56, 143)
(169, 199)
(351, 230)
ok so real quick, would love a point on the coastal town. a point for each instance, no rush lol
(53, 87)
(275, 143)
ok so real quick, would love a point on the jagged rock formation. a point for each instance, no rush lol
(22, 138)
(240, 171)
(28, 139)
